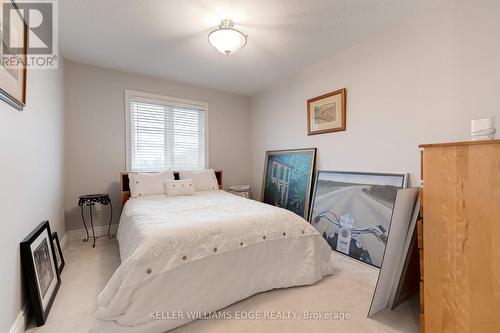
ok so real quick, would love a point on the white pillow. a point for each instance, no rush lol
(203, 180)
(149, 183)
(175, 188)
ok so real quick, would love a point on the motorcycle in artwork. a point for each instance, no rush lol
(353, 211)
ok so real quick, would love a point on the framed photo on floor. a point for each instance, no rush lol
(353, 211)
(58, 252)
(40, 270)
(326, 113)
(287, 181)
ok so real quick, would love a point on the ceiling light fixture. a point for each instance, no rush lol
(226, 39)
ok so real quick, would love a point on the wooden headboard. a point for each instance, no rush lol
(125, 189)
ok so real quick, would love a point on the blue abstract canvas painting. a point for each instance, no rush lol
(287, 179)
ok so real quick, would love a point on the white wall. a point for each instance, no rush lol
(32, 174)
(96, 131)
(418, 83)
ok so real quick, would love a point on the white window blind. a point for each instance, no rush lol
(166, 133)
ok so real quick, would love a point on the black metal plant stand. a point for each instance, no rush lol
(90, 200)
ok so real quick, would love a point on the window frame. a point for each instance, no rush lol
(161, 99)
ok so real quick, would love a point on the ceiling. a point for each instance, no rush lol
(169, 38)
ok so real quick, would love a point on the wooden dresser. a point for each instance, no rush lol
(460, 249)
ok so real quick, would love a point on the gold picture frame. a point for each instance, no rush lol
(327, 113)
(13, 79)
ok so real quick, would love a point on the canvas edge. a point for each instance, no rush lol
(310, 183)
(413, 219)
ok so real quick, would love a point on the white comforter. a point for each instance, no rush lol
(202, 253)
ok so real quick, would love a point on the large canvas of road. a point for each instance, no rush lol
(360, 212)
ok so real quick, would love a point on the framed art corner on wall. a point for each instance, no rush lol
(327, 113)
(14, 50)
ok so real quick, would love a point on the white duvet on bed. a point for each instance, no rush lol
(200, 253)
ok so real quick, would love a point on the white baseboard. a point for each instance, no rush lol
(64, 241)
(80, 234)
(21, 321)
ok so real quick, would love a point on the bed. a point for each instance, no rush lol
(185, 256)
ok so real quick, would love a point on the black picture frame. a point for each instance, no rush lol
(38, 264)
(58, 251)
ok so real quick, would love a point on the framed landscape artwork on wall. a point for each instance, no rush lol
(288, 176)
(353, 211)
(326, 113)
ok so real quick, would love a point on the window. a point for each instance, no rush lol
(165, 132)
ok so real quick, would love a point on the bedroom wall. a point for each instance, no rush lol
(96, 131)
(419, 82)
(32, 155)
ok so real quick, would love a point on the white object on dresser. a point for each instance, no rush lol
(483, 128)
(240, 190)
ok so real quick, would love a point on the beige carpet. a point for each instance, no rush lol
(349, 290)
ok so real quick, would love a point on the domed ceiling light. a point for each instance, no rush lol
(226, 39)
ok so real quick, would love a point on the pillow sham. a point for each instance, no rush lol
(174, 188)
(148, 183)
(203, 180)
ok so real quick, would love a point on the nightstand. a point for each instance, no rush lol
(90, 200)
